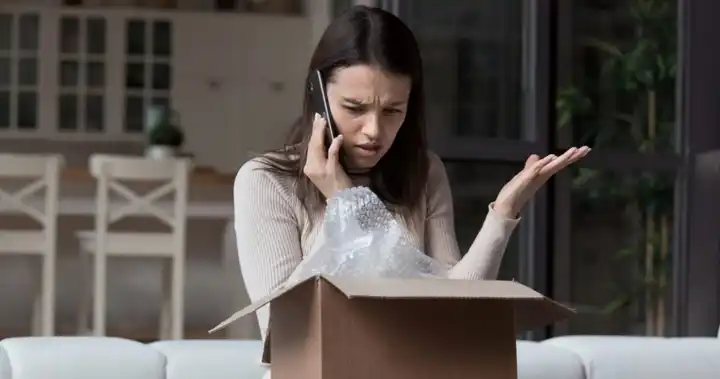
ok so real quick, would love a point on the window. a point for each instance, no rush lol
(148, 69)
(81, 74)
(616, 93)
(622, 80)
(281, 7)
(621, 239)
(474, 186)
(19, 46)
(69, 73)
(473, 64)
(472, 56)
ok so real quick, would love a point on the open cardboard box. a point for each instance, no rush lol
(350, 328)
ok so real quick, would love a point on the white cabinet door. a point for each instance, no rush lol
(201, 93)
(238, 83)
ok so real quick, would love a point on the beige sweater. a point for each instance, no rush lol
(274, 232)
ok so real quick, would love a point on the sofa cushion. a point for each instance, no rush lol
(5, 371)
(212, 359)
(624, 357)
(539, 361)
(81, 358)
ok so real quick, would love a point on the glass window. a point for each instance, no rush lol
(69, 35)
(19, 70)
(4, 109)
(472, 56)
(148, 69)
(617, 84)
(27, 71)
(69, 73)
(135, 37)
(474, 186)
(68, 109)
(94, 113)
(616, 81)
(95, 36)
(134, 114)
(27, 110)
(5, 75)
(29, 32)
(6, 35)
(162, 41)
(620, 263)
(82, 74)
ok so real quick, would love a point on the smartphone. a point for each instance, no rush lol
(318, 96)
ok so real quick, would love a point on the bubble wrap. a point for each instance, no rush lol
(363, 239)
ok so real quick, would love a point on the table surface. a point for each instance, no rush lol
(199, 176)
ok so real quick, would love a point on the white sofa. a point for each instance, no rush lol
(575, 357)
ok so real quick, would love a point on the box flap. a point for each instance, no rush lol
(258, 304)
(532, 309)
(431, 288)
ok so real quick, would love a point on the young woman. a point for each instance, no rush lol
(374, 75)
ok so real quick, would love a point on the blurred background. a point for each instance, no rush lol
(628, 237)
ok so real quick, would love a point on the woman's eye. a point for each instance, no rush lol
(392, 111)
(354, 109)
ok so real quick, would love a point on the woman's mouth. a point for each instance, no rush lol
(367, 149)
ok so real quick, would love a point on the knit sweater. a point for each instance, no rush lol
(274, 231)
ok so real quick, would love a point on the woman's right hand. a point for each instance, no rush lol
(322, 168)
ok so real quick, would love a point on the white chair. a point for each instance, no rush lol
(43, 174)
(111, 172)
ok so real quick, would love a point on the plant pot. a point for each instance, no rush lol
(160, 152)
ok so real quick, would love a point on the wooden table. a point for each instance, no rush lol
(211, 194)
(200, 176)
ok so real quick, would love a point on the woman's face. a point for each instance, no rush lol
(369, 107)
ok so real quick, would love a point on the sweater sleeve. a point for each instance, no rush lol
(482, 260)
(266, 232)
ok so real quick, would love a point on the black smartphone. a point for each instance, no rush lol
(321, 106)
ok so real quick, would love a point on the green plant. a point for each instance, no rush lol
(638, 74)
(166, 132)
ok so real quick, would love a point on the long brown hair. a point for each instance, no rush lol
(372, 36)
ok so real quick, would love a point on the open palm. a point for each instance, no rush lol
(523, 186)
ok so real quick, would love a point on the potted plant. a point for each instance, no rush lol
(165, 138)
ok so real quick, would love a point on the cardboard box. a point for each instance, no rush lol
(351, 328)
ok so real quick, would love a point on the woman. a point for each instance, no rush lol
(373, 69)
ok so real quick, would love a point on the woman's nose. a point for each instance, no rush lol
(371, 128)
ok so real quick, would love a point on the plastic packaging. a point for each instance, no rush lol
(363, 239)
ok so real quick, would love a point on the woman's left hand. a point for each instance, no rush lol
(522, 187)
